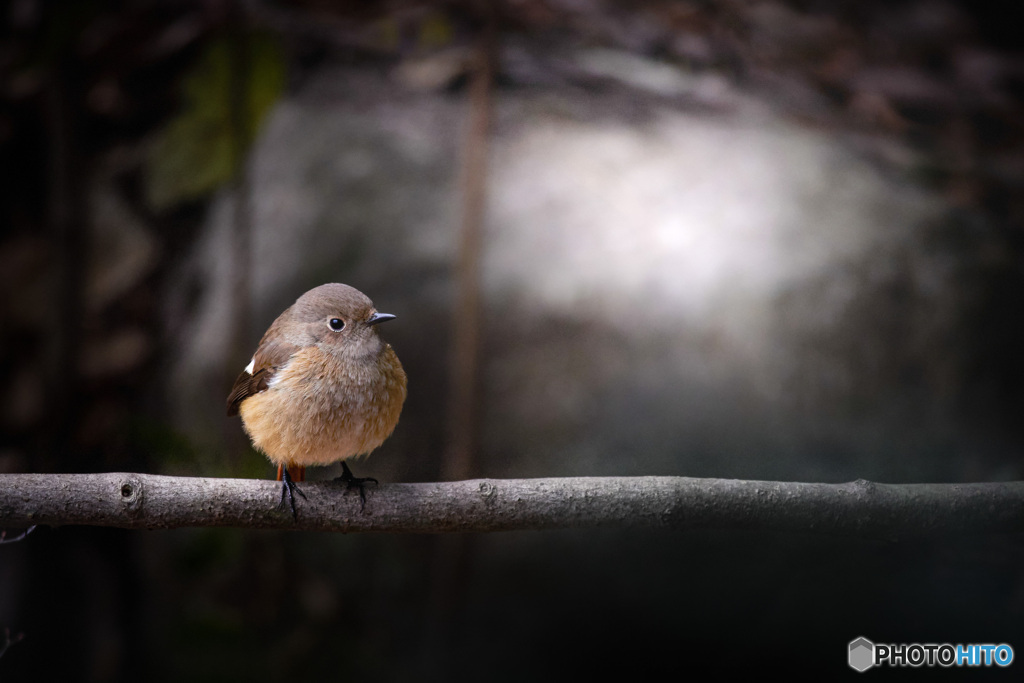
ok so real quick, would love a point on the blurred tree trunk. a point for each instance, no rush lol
(241, 221)
(90, 581)
(452, 558)
(68, 229)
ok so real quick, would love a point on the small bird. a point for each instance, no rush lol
(321, 387)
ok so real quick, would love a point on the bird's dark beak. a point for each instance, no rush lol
(378, 318)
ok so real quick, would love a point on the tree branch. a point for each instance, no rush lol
(148, 501)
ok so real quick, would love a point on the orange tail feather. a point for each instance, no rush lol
(296, 472)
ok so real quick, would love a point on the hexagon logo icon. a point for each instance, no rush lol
(862, 654)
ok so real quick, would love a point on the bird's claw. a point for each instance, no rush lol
(289, 489)
(354, 482)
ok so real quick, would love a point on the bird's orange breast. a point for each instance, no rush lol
(320, 409)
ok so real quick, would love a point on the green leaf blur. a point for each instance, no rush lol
(201, 148)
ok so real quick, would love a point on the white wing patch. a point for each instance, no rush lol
(251, 366)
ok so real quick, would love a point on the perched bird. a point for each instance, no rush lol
(321, 387)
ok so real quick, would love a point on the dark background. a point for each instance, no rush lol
(723, 239)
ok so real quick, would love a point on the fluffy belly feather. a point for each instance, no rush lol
(312, 415)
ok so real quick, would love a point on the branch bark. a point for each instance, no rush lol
(148, 501)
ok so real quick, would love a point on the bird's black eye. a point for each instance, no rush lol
(336, 324)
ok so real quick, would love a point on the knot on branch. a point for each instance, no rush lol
(864, 486)
(488, 492)
(131, 494)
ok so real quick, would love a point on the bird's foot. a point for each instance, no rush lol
(289, 489)
(354, 482)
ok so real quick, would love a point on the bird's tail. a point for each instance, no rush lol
(296, 472)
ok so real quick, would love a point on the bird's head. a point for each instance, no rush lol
(338, 318)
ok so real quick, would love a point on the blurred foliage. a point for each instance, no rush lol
(436, 31)
(176, 454)
(429, 32)
(226, 96)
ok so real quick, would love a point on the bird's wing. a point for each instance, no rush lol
(270, 357)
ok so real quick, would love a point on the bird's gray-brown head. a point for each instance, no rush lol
(337, 318)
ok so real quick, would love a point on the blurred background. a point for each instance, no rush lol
(761, 240)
